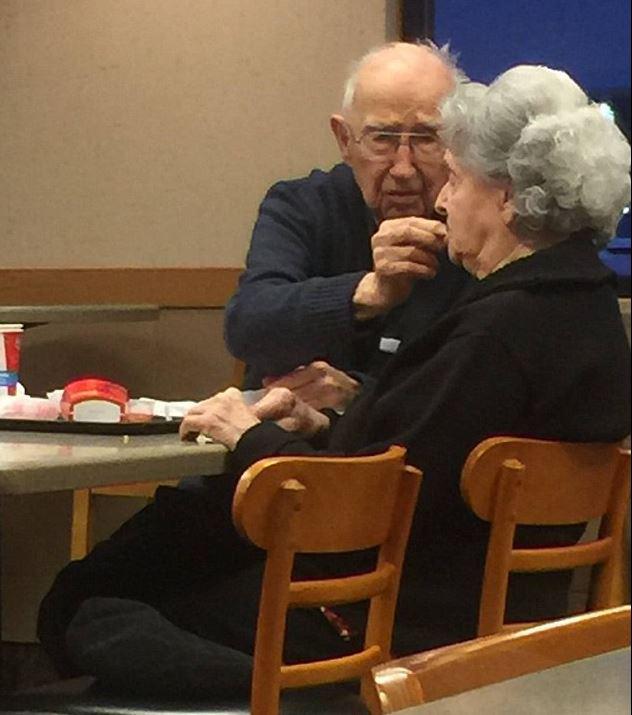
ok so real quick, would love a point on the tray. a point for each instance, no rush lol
(157, 425)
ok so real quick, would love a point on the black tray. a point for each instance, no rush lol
(157, 425)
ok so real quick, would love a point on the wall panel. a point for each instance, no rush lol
(144, 132)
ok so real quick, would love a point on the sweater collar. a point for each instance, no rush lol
(572, 261)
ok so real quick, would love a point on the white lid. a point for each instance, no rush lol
(96, 411)
(11, 327)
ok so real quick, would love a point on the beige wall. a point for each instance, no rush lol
(144, 133)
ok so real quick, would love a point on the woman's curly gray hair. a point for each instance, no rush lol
(568, 164)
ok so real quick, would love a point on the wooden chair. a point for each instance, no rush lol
(82, 499)
(290, 505)
(466, 666)
(509, 481)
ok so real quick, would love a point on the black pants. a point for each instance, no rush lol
(170, 601)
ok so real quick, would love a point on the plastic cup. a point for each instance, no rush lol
(10, 342)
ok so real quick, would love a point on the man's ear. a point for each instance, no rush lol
(341, 132)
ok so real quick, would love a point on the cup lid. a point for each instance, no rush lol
(11, 327)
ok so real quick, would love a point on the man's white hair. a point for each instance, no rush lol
(568, 164)
(442, 53)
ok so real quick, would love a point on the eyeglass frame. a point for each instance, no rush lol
(392, 133)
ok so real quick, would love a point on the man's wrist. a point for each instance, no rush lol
(368, 299)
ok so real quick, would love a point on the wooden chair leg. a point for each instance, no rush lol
(81, 526)
(621, 586)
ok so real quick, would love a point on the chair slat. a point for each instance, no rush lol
(349, 511)
(343, 590)
(137, 489)
(572, 480)
(331, 671)
(560, 558)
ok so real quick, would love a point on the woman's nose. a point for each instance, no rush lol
(440, 207)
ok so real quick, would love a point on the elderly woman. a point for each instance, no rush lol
(538, 178)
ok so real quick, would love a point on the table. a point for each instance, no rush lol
(38, 314)
(36, 462)
(593, 686)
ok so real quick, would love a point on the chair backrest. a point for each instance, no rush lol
(289, 505)
(509, 481)
(466, 666)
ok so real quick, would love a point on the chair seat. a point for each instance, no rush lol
(79, 697)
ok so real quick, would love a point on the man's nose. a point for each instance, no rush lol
(403, 165)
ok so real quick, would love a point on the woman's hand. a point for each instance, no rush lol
(224, 417)
(290, 412)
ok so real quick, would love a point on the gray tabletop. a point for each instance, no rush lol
(35, 314)
(593, 686)
(32, 462)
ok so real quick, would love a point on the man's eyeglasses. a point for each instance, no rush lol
(382, 145)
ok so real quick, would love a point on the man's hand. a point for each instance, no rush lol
(290, 412)
(404, 250)
(319, 385)
(224, 417)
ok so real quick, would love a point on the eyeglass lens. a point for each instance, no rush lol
(385, 144)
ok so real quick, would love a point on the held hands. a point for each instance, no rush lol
(404, 250)
(290, 412)
(318, 384)
(225, 417)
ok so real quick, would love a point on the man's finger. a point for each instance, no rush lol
(422, 240)
(412, 254)
(407, 269)
(438, 228)
(411, 230)
(297, 378)
(425, 224)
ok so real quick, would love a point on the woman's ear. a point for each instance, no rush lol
(507, 209)
(341, 132)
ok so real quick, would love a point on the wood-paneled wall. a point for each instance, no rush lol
(166, 287)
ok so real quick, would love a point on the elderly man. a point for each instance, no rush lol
(340, 261)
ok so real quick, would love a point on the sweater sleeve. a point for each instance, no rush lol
(286, 312)
(265, 440)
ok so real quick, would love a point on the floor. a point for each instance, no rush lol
(24, 665)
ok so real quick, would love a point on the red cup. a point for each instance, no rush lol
(10, 341)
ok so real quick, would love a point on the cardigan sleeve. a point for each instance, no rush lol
(285, 312)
